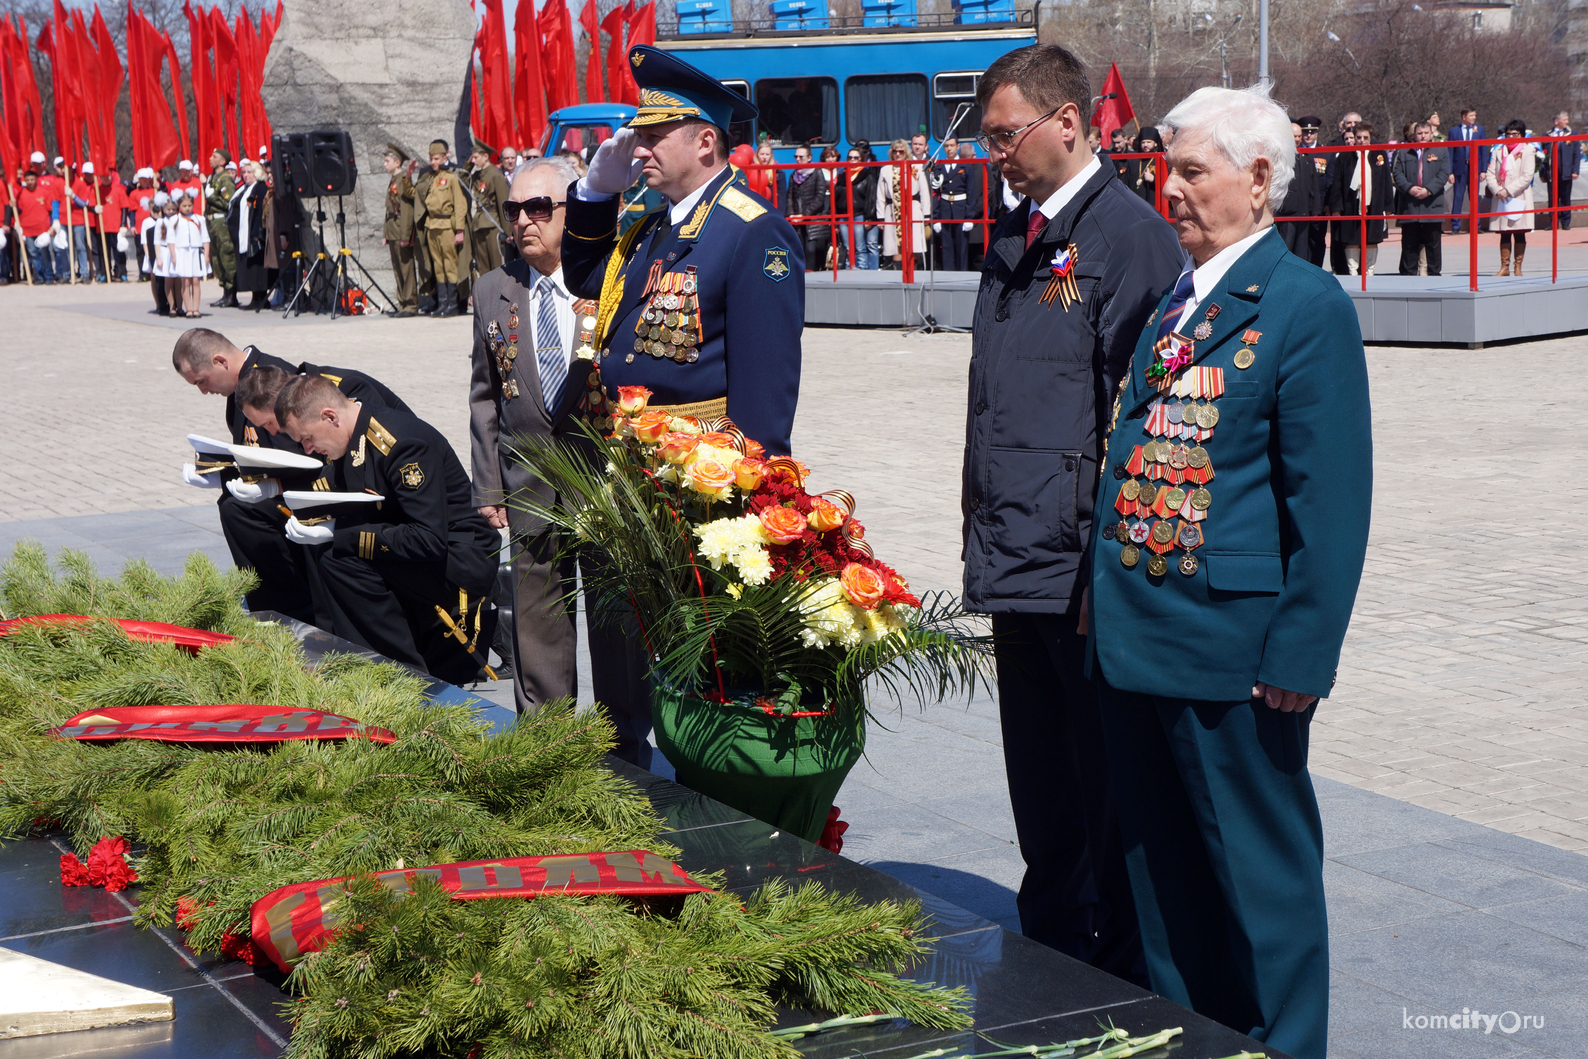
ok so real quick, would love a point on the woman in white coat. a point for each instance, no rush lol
(890, 197)
(1510, 181)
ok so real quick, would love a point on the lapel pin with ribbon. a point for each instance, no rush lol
(1062, 281)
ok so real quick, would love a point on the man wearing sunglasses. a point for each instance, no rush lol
(1070, 277)
(528, 381)
(706, 305)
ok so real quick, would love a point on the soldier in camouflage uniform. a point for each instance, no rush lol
(218, 191)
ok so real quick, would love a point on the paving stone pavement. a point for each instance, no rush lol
(1450, 743)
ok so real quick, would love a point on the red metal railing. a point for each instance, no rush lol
(905, 220)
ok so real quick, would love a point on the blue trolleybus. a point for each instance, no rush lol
(823, 80)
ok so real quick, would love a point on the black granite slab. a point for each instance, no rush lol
(1022, 993)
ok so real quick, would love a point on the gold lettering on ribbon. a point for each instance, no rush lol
(487, 877)
(279, 917)
(569, 871)
(630, 868)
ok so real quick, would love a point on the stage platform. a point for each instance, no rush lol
(1419, 310)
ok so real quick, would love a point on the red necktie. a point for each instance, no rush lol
(1419, 167)
(1034, 225)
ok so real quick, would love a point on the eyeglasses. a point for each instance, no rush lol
(1005, 140)
(539, 208)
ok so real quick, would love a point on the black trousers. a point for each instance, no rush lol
(1421, 235)
(1317, 241)
(956, 246)
(389, 607)
(257, 537)
(1076, 894)
(1560, 195)
(1297, 236)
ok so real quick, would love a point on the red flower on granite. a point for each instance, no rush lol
(107, 865)
(73, 871)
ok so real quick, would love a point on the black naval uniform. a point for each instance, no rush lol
(405, 576)
(951, 206)
(748, 273)
(256, 533)
(1304, 198)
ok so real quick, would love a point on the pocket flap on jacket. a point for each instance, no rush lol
(1233, 572)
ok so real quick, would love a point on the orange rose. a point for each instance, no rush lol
(649, 426)
(754, 449)
(857, 532)
(783, 524)
(748, 473)
(862, 585)
(825, 515)
(710, 477)
(631, 399)
(675, 447)
(720, 439)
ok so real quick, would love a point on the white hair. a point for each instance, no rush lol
(1245, 125)
(561, 165)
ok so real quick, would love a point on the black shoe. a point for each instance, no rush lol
(403, 314)
(256, 303)
(228, 300)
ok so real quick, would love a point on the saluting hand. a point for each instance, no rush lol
(614, 167)
(1282, 700)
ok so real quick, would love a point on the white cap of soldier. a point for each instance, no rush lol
(184, 164)
(38, 156)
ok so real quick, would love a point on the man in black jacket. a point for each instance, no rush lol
(1420, 173)
(252, 524)
(1302, 199)
(1069, 280)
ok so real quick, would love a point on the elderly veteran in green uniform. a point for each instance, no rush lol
(1239, 472)
(398, 233)
(702, 302)
(218, 191)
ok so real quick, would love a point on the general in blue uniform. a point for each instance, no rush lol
(1238, 480)
(703, 301)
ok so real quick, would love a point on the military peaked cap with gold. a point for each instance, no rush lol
(672, 90)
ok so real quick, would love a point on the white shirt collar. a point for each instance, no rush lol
(680, 210)
(557, 286)
(1207, 277)
(1068, 190)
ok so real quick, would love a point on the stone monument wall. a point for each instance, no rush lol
(384, 71)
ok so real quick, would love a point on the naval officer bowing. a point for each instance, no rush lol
(1221, 591)
(702, 302)
(532, 371)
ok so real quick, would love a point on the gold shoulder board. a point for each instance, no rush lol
(741, 205)
(382, 437)
(336, 380)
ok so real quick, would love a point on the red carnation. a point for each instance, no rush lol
(107, 864)
(73, 871)
(239, 947)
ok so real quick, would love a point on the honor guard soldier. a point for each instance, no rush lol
(488, 188)
(398, 233)
(951, 202)
(407, 575)
(703, 301)
(443, 211)
(1317, 231)
(254, 528)
(218, 191)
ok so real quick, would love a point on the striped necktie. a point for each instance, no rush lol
(1171, 313)
(548, 347)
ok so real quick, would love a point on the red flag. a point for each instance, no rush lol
(155, 141)
(247, 45)
(1113, 113)
(593, 91)
(84, 62)
(24, 108)
(642, 30)
(65, 83)
(557, 55)
(110, 78)
(620, 80)
(496, 80)
(529, 101)
(176, 94)
(226, 75)
(11, 147)
(202, 77)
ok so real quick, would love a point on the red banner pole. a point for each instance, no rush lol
(849, 183)
(1473, 190)
(1361, 200)
(906, 243)
(1554, 212)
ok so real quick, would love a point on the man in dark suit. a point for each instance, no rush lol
(1221, 592)
(1318, 231)
(727, 256)
(1302, 199)
(1069, 278)
(532, 378)
(1460, 166)
(1420, 173)
(1561, 181)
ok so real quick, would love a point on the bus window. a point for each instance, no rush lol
(581, 140)
(740, 131)
(798, 110)
(884, 107)
(948, 92)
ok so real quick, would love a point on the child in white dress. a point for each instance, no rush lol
(148, 234)
(189, 241)
(165, 256)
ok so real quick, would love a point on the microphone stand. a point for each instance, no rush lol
(929, 324)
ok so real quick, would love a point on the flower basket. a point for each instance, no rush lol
(783, 770)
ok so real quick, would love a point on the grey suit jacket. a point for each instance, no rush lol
(495, 420)
(1436, 170)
